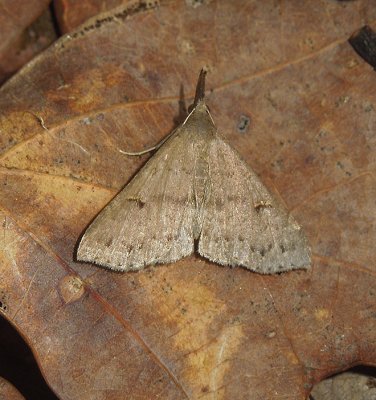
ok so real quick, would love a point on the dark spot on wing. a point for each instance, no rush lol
(138, 201)
(262, 205)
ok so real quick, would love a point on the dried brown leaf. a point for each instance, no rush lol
(193, 329)
(25, 30)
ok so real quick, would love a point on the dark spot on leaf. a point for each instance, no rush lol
(309, 159)
(282, 247)
(109, 243)
(340, 165)
(243, 123)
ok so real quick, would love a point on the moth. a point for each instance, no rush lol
(195, 194)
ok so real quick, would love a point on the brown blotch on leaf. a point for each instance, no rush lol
(71, 288)
(205, 389)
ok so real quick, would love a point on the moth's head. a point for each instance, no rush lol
(201, 106)
(200, 113)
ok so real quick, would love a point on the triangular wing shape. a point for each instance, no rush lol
(195, 188)
(243, 224)
(150, 221)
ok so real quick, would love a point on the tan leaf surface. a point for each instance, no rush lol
(193, 329)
